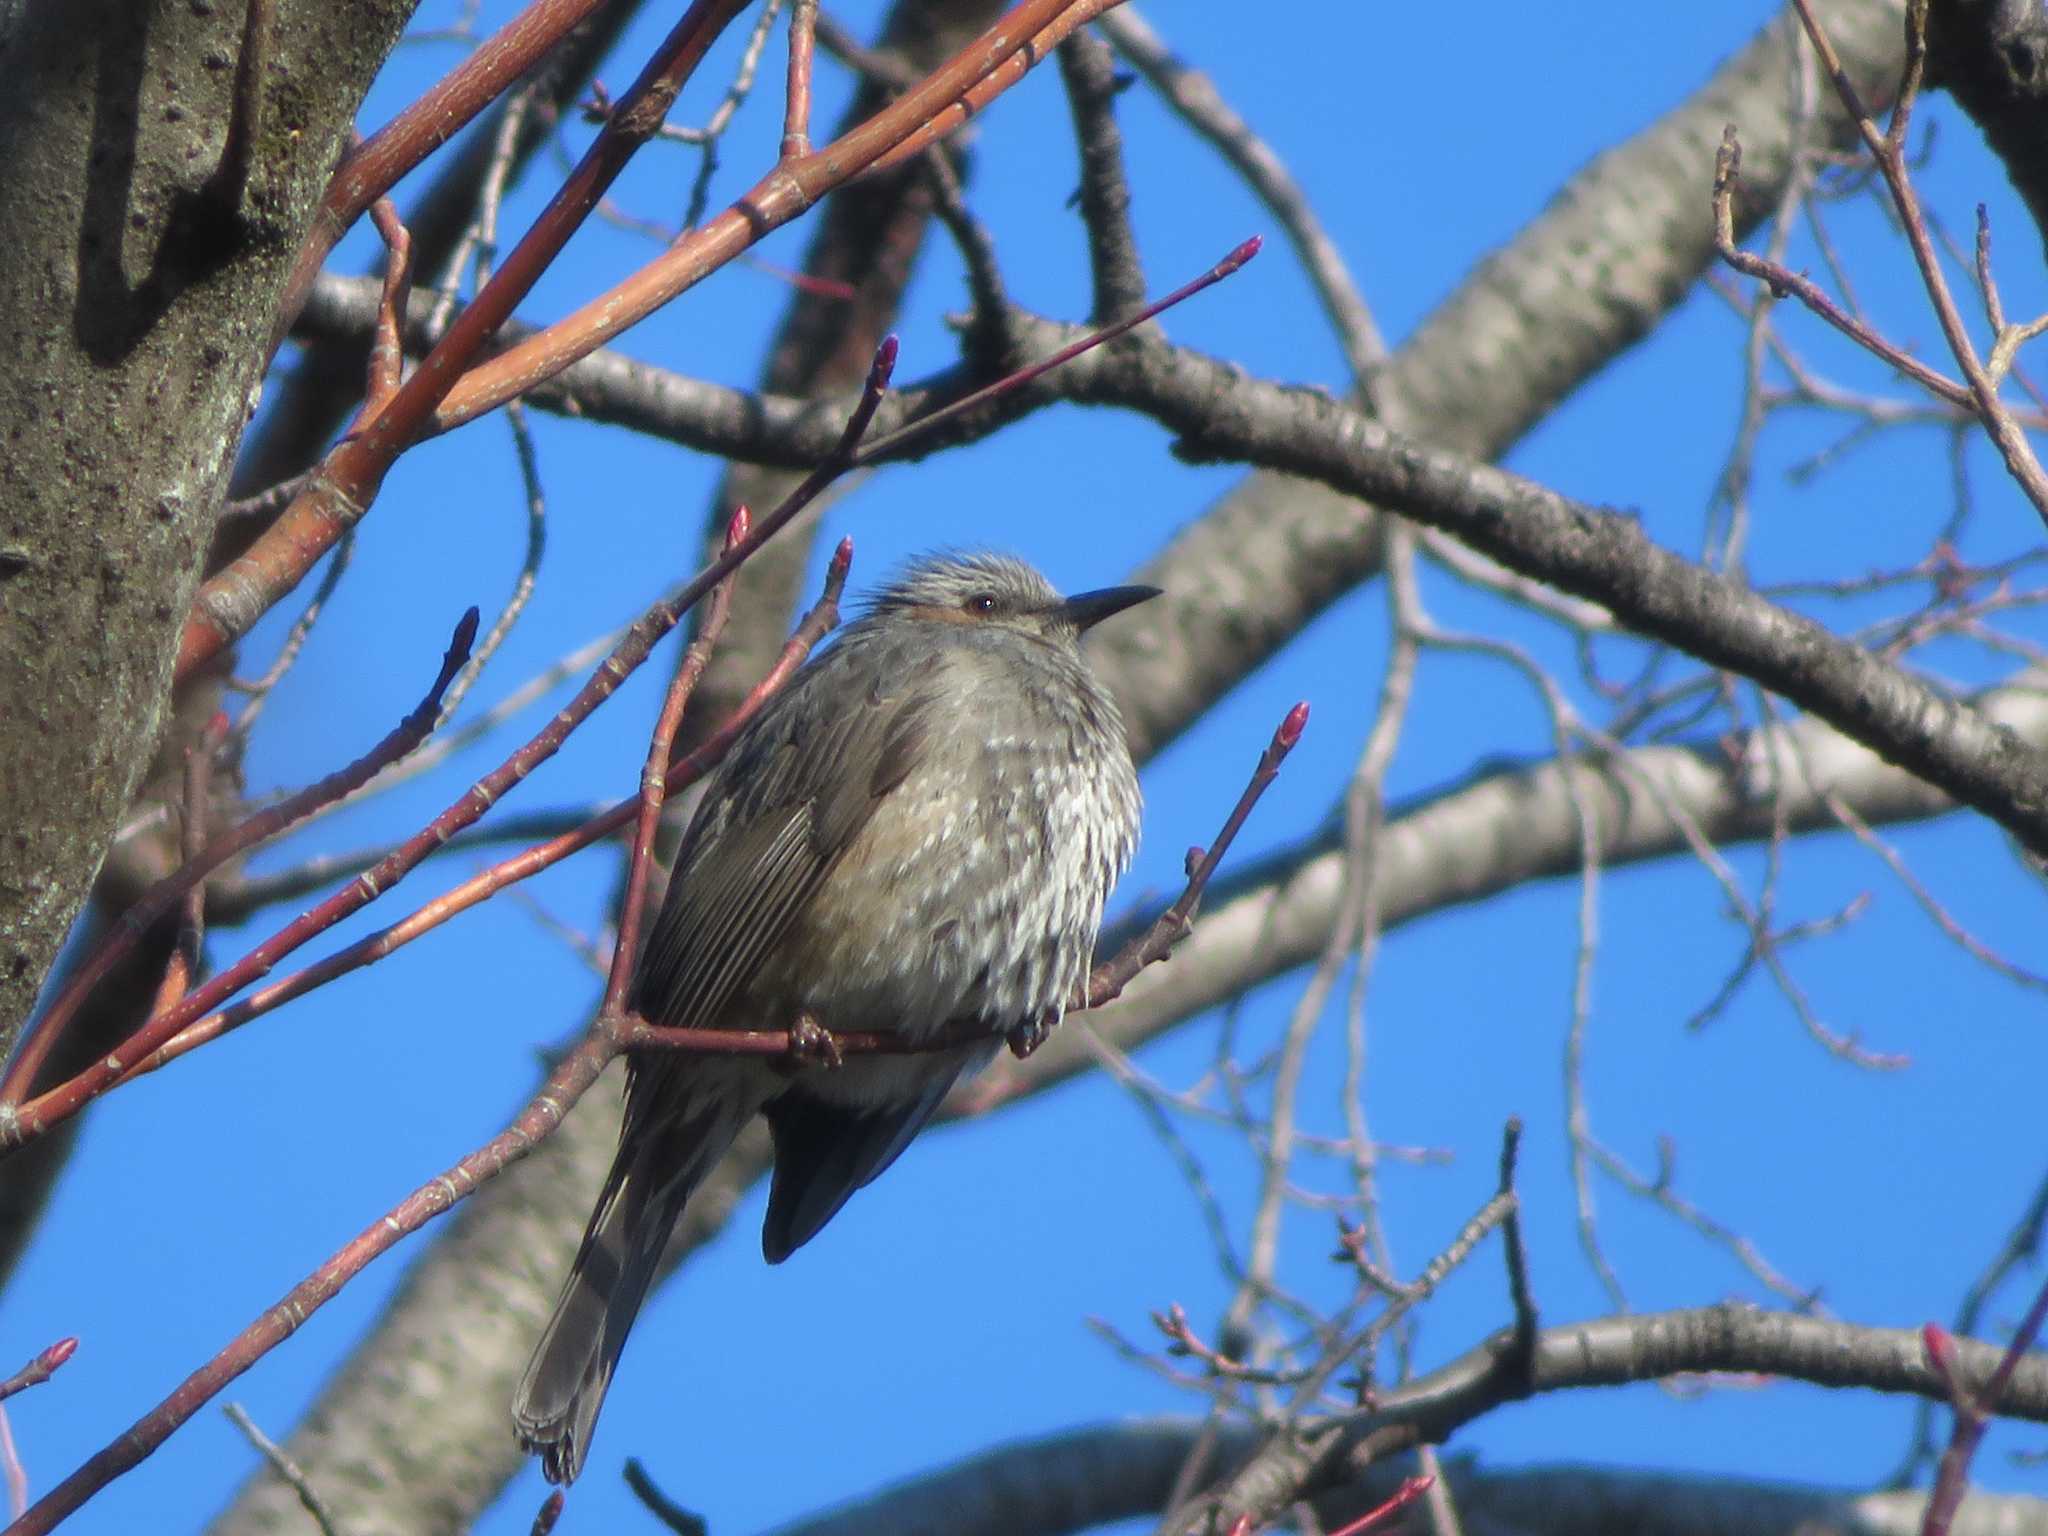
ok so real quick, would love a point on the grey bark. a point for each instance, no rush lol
(1084, 1478)
(1311, 1458)
(1590, 552)
(147, 244)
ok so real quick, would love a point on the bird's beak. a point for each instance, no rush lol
(1086, 609)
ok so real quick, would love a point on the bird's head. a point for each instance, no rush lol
(998, 592)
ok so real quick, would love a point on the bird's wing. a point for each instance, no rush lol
(795, 793)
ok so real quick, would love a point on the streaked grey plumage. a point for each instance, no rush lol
(920, 829)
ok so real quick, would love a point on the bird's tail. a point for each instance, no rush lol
(657, 1168)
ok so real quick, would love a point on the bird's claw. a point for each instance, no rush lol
(811, 1043)
(1025, 1038)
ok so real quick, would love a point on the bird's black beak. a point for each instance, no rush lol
(1086, 609)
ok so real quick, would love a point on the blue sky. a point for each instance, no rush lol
(959, 1286)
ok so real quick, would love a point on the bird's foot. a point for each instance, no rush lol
(811, 1043)
(1025, 1038)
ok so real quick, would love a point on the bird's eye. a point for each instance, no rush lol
(981, 602)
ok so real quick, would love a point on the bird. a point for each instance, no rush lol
(916, 835)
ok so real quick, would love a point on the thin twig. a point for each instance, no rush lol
(796, 114)
(1783, 281)
(1107, 981)
(282, 1464)
(40, 1369)
(387, 337)
(1888, 150)
(654, 777)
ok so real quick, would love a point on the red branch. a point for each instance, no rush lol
(1410, 1490)
(375, 166)
(654, 777)
(1108, 980)
(929, 110)
(40, 1369)
(796, 109)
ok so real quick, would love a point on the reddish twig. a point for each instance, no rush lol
(1108, 980)
(33, 1374)
(796, 111)
(996, 59)
(1410, 1490)
(1973, 1410)
(549, 1512)
(1010, 382)
(1027, 34)
(1182, 1341)
(40, 1369)
(387, 339)
(57, 1105)
(159, 898)
(1782, 280)
(184, 962)
(654, 777)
